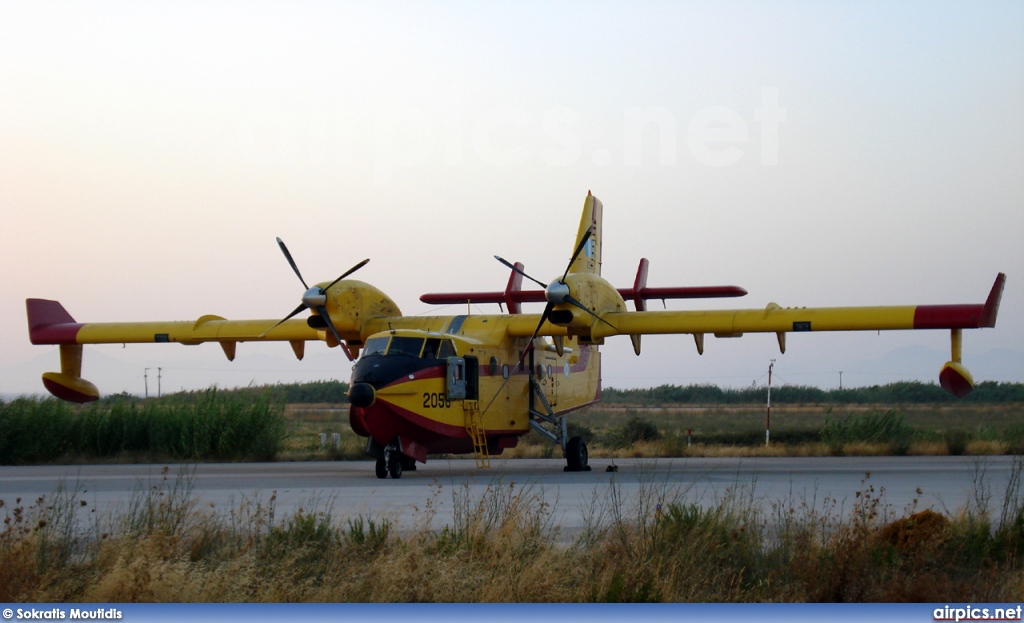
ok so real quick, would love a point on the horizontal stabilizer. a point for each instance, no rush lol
(512, 297)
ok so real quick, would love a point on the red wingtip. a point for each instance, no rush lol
(50, 323)
(991, 310)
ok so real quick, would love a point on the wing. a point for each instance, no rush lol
(50, 323)
(776, 319)
(953, 377)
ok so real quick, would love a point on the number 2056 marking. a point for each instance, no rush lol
(436, 401)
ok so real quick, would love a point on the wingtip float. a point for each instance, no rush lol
(476, 384)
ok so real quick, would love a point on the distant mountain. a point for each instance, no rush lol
(113, 375)
(919, 363)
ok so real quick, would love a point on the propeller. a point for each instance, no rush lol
(557, 292)
(315, 298)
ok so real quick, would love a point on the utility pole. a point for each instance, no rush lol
(768, 415)
(159, 372)
(145, 379)
(840, 380)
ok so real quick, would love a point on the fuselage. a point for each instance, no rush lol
(422, 386)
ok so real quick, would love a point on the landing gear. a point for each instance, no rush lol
(395, 468)
(574, 449)
(390, 460)
(576, 455)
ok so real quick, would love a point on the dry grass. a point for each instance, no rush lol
(987, 447)
(716, 431)
(504, 545)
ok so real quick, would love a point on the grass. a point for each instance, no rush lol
(662, 544)
(806, 430)
(210, 426)
(216, 425)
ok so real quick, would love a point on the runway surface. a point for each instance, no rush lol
(429, 496)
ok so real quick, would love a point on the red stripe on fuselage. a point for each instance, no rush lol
(385, 421)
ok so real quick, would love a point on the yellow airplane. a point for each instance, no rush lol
(477, 383)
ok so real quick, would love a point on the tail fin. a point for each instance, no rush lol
(590, 260)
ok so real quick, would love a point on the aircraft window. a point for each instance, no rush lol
(430, 351)
(375, 346)
(447, 350)
(410, 346)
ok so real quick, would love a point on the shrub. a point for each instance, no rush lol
(635, 430)
(887, 427)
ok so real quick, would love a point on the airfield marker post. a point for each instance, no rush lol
(768, 415)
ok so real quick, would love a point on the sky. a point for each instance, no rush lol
(814, 153)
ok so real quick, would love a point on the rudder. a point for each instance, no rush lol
(589, 261)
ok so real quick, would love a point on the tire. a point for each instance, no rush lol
(408, 463)
(576, 456)
(396, 466)
(381, 468)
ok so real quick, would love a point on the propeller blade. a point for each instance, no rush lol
(572, 301)
(579, 249)
(543, 318)
(322, 310)
(520, 271)
(282, 321)
(288, 256)
(348, 272)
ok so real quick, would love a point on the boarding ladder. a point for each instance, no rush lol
(475, 429)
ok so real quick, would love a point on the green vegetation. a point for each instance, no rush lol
(330, 392)
(986, 392)
(884, 428)
(211, 425)
(260, 423)
(664, 544)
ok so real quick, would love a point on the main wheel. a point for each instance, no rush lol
(396, 466)
(381, 468)
(576, 455)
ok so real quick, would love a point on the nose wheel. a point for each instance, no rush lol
(393, 463)
(381, 468)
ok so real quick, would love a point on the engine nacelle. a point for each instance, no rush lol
(350, 303)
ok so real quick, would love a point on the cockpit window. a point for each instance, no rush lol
(375, 346)
(430, 350)
(410, 346)
(447, 350)
(425, 348)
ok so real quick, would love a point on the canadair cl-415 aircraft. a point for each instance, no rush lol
(424, 385)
